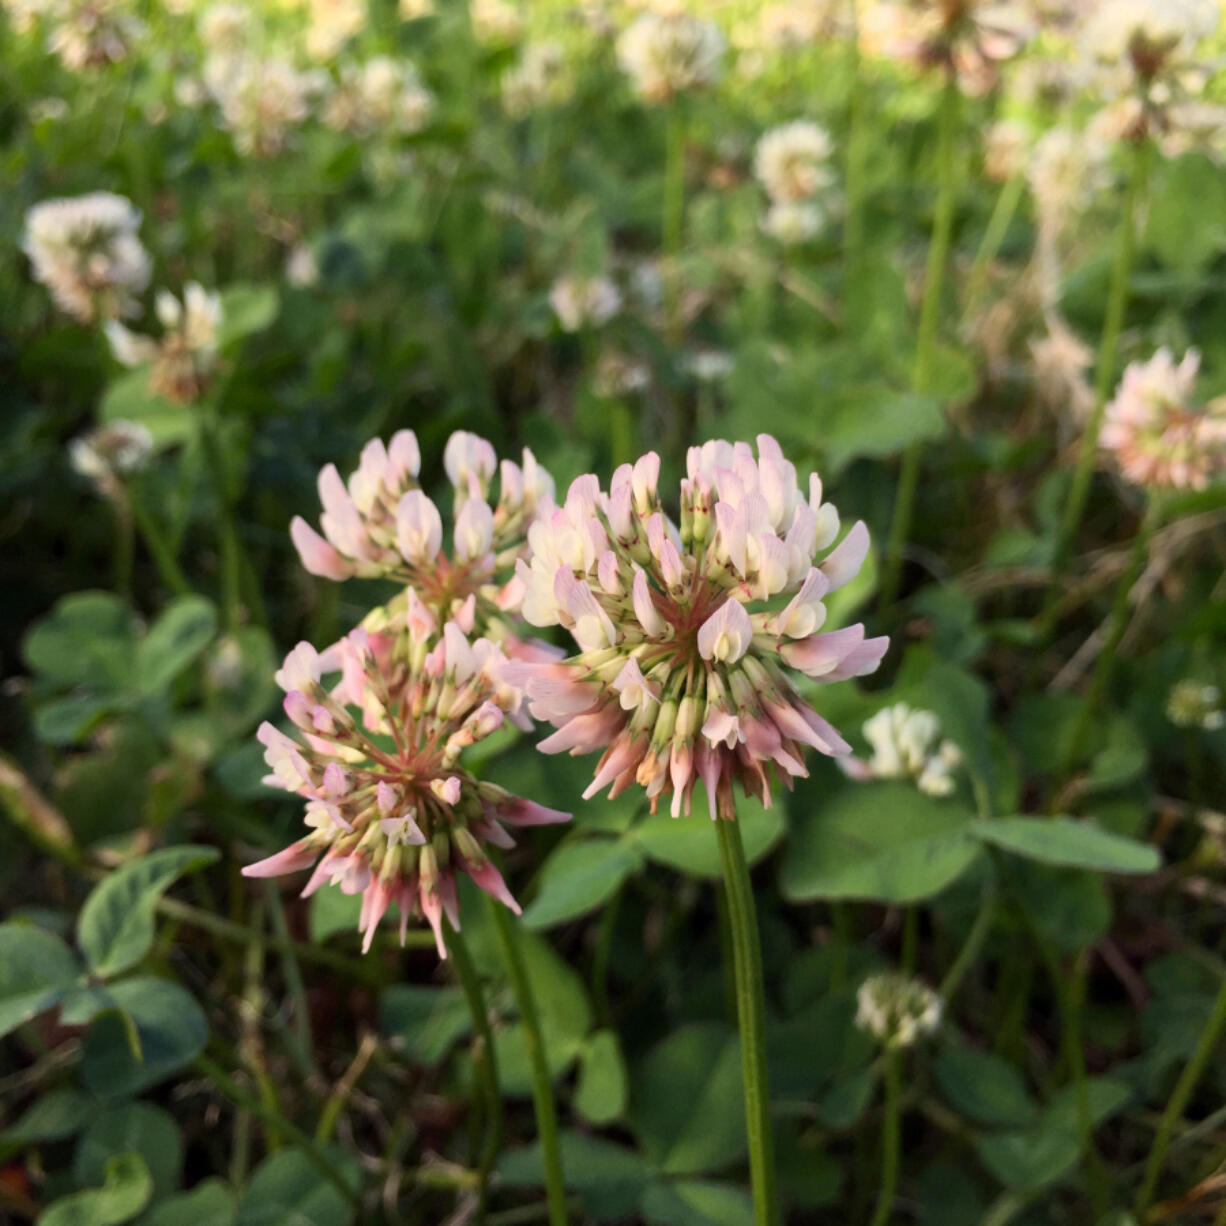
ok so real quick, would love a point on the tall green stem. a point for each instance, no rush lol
(853, 166)
(1007, 200)
(891, 1137)
(231, 560)
(1173, 1112)
(159, 548)
(1113, 323)
(484, 1062)
(542, 1087)
(751, 1015)
(925, 347)
(1117, 624)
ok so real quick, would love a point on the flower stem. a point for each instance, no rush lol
(542, 1088)
(1007, 200)
(1173, 1112)
(484, 1062)
(751, 1014)
(925, 348)
(1117, 624)
(853, 166)
(891, 1131)
(159, 548)
(231, 559)
(1113, 322)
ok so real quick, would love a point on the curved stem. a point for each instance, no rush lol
(998, 226)
(159, 548)
(1173, 1112)
(484, 1061)
(925, 347)
(751, 1014)
(1113, 322)
(891, 1131)
(542, 1087)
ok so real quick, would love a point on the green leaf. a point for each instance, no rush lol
(882, 842)
(1067, 843)
(610, 1177)
(601, 1093)
(687, 1108)
(1070, 907)
(691, 844)
(65, 721)
(333, 911)
(127, 1128)
(53, 1116)
(879, 421)
(424, 1022)
(1184, 228)
(88, 638)
(36, 970)
(210, 1203)
(579, 876)
(169, 1025)
(984, 1087)
(693, 1202)
(246, 309)
(288, 1190)
(124, 1194)
(115, 927)
(178, 636)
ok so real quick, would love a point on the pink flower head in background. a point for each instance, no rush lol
(381, 524)
(688, 635)
(1155, 432)
(392, 812)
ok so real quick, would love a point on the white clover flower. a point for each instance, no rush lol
(381, 95)
(1067, 170)
(1062, 364)
(1006, 149)
(262, 101)
(183, 360)
(790, 161)
(583, 302)
(538, 78)
(1147, 34)
(897, 1010)
(792, 223)
(1194, 704)
(91, 33)
(224, 27)
(495, 21)
(110, 451)
(332, 23)
(709, 365)
(617, 374)
(665, 54)
(301, 267)
(907, 744)
(413, 10)
(86, 251)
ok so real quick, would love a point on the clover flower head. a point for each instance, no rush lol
(86, 251)
(495, 21)
(897, 1010)
(538, 78)
(790, 161)
(670, 53)
(331, 24)
(1067, 170)
(1195, 704)
(183, 360)
(1006, 149)
(688, 633)
(1062, 363)
(263, 100)
(108, 452)
(1154, 432)
(392, 812)
(1146, 42)
(381, 94)
(92, 33)
(907, 744)
(223, 26)
(792, 222)
(381, 524)
(584, 302)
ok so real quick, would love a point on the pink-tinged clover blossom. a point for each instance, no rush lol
(391, 811)
(688, 634)
(1154, 431)
(381, 524)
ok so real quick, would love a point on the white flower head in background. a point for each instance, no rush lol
(539, 78)
(108, 452)
(223, 27)
(301, 267)
(86, 251)
(1195, 704)
(790, 161)
(584, 302)
(907, 744)
(670, 53)
(897, 1010)
(790, 223)
(380, 95)
(495, 21)
(92, 33)
(183, 360)
(332, 23)
(262, 101)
